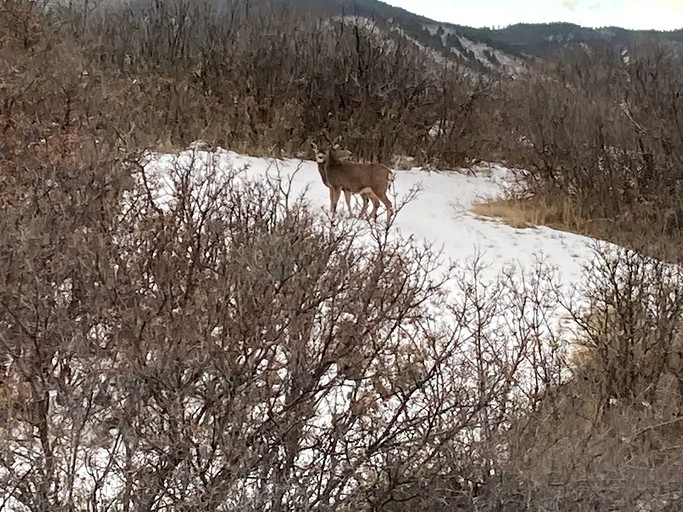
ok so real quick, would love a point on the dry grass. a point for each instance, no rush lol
(520, 213)
(534, 212)
(639, 233)
(512, 212)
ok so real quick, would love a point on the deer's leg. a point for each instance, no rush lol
(375, 205)
(390, 208)
(334, 198)
(347, 197)
(365, 193)
(364, 197)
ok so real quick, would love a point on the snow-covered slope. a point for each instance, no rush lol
(541, 273)
(443, 45)
(439, 214)
(471, 51)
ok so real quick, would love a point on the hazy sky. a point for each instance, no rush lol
(637, 14)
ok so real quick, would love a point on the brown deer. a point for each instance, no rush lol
(369, 180)
(341, 155)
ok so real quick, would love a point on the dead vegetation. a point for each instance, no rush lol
(601, 146)
(264, 77)
(226, 351)
(600, 138)
(525, 213)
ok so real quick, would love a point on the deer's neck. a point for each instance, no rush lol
(332, 164)
(323, 173)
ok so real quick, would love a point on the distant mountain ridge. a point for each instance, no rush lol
(504, 49)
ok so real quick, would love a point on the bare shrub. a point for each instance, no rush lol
(608, 436)
(596, 134)
(217, 345)
(266, 79)
(632, 323)
(220, 348)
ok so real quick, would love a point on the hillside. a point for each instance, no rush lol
(437, 209)
(190, 330)
(503, 50)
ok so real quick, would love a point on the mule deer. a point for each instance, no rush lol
(369, 180)
(342, 155)
(345, 154)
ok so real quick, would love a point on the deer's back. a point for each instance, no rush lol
(357, 176)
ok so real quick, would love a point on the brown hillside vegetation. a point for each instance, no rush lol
(602, 142)
(232, 352)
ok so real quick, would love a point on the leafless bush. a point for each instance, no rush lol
(224, 348)
(608, 437)
(631, 327)
(599, 133)
(221, 346)
(268, 79)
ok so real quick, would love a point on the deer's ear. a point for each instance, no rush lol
(336, 146)
(314, 146)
